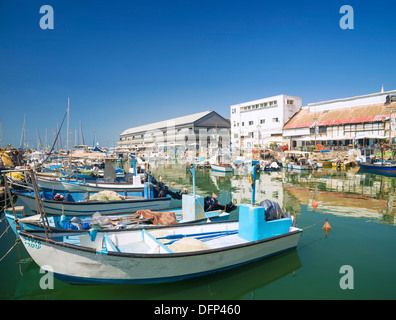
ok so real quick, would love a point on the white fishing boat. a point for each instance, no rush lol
(77, 203)
(221, 162)
(162, 255)
(188, 213)
(221, 167)
(78, 185)
(296, 166)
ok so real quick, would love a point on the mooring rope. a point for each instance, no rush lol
(313, 224)
(7, 228)
(16, 242)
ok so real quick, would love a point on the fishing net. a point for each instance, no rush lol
(187, 245)
(106, 196)
(158, 218)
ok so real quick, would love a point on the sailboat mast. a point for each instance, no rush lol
(24, 128)
(46, 137)
(82, 134)
(23, 135)
(1, 132)
(37, 136)
(68, 119)
(94, 139)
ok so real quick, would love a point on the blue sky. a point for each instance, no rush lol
(129, 63)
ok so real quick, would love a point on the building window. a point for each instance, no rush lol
(250, 123)
(322, 129)
(290, 101)
(243, 124)
(275, 120)
(262, 121)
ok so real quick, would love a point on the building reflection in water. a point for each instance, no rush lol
(348, 193)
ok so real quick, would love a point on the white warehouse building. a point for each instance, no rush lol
(259, 123)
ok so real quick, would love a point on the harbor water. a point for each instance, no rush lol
(354, 260)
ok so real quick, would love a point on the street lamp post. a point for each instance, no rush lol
(391, 109)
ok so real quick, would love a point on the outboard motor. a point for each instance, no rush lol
(273, 210)
(212, 204)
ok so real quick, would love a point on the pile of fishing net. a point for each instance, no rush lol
(188, 245)
(157, 217)
(185, 244)
(106, 196)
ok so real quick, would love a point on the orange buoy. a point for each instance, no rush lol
(314, 204)
(292, 172)
(313, 171)
(326, 226)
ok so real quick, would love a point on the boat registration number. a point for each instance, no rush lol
(32, 243)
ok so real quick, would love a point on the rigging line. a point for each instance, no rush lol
(56, 138)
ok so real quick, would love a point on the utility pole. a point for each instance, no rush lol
(391, 109)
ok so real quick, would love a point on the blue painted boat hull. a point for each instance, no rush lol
(389, 170)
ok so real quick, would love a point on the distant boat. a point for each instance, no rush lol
(77, 185)
(222, 167)
(269, 166)
(293, 166)
(379, 168)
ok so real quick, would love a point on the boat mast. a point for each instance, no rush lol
(23, 135)
(38, 139)
(46, 139)
(94, 138)
(82, 134)
(68, 119)
(1, 134)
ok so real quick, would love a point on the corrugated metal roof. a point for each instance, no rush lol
(304, 118)
(163, 124)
